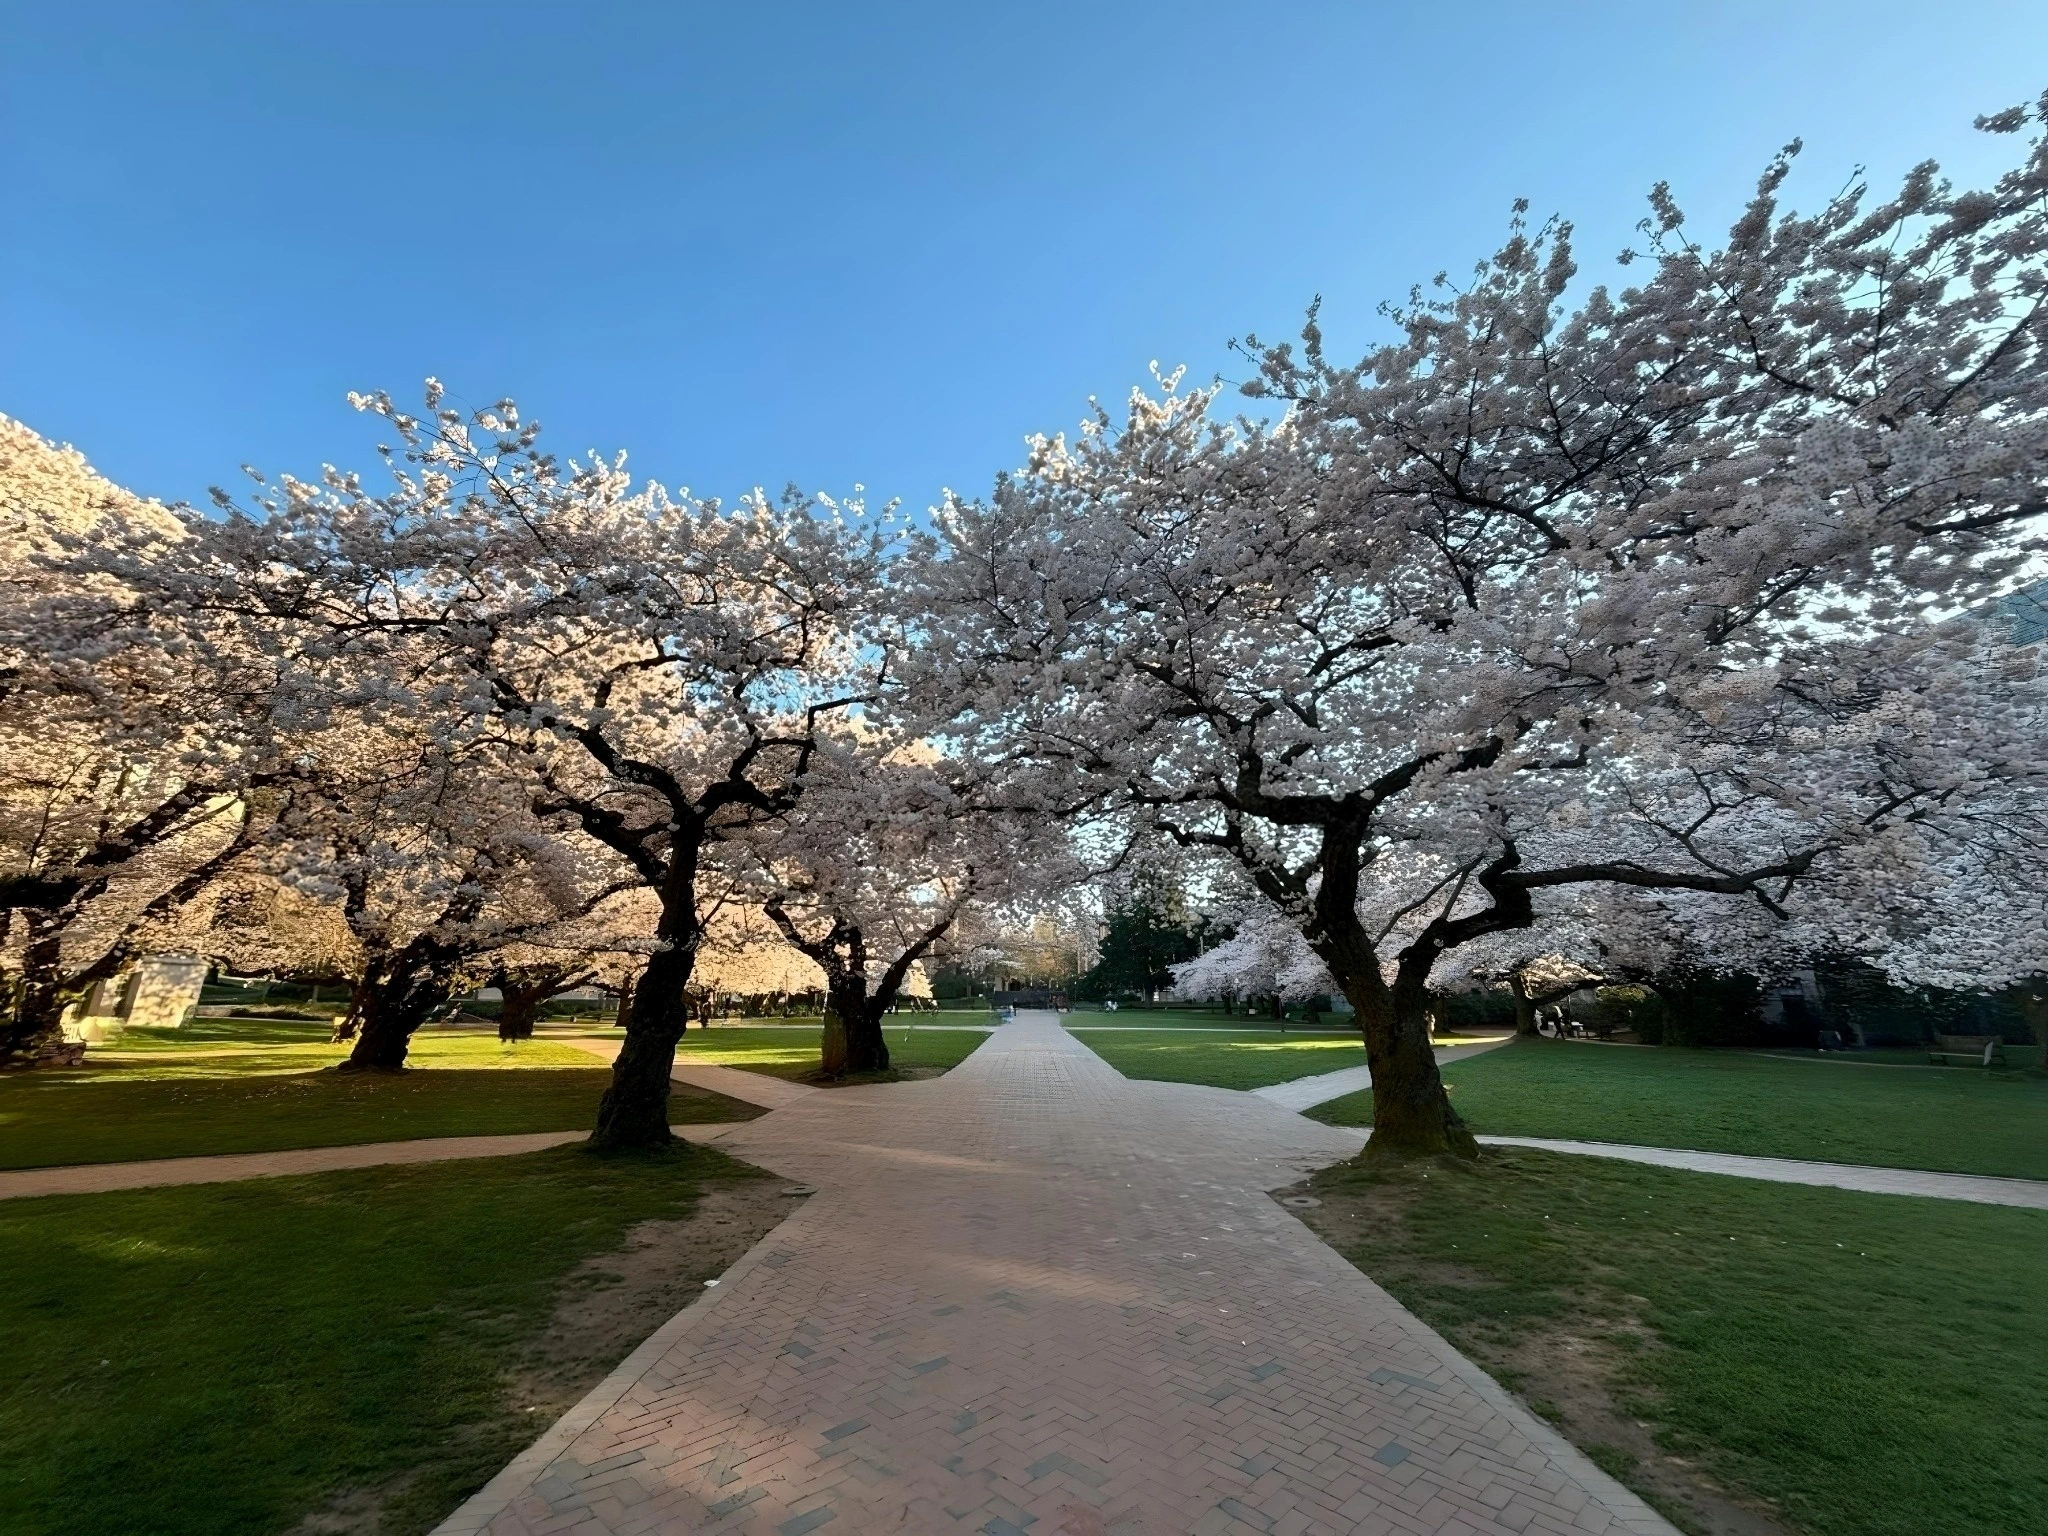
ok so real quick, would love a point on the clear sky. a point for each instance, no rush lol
(836, 243)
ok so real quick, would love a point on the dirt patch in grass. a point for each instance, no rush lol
(1570, 1368)
(603, 1309)
(610, 1302)
(818, 1079)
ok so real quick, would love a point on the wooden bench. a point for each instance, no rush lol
(1967, 1051)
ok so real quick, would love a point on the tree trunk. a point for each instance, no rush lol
(832, 1051)
(633, 1115)
(625, 1017)
(853, 1037)
(518, 1011)
(345, 1026)
(1411, 1112)
(393, 1000)
(34, 1035)
(1525, 1008)
(867, 1047)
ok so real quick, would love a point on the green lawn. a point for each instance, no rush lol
(1872, 1364)
(1949, 1120)
(1187, 1018)
(1224, 1059)
(259, 1086)
(793, 1053)
(223, 1359)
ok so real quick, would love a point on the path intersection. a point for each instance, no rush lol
(1032, 1298)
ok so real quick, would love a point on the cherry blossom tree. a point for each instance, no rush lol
(889, 861)
(438, 865)
(654, 667)
(137, 749)
(1265, 958)
(1556, 588)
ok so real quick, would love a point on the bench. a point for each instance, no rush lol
(1967, 1051)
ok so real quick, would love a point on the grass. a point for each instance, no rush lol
(240, 1085)
(782, 1052)
(1221, 1060)
(223, 1359)
(1869, 1364)
(1945, 1119)
(1191, 1018)
(1228, 1059)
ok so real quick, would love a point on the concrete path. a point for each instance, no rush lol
(1033, 1296)
(1307, 1092)
(2030, 1193)
(98, 1178)
(748, 1087)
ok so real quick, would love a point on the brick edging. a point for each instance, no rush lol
(495, 1497)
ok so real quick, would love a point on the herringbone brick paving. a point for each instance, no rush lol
(1033, 1297)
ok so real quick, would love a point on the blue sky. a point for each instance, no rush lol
(847, 243)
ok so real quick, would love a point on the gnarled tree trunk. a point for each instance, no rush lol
(1411, 1112)
(633, 1115)
(33, 1034)
(859, 1019)
(396, 995)
(523, 989)
(853, 1039)
(1525, 1008)
(518, 1011)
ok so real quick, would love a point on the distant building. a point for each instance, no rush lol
(157, 992)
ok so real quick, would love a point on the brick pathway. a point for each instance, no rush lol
(1307, 1092)
(1032, 1297)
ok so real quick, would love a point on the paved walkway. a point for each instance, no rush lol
(2031, 1193)
(1307, 1092)
(98, 1178)
(1031, 1296)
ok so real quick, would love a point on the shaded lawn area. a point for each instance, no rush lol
(225, 1358)
(1221, 1060)
(214, 1095)
(1949, 1120)
(1870, 1364)
(790, 1053)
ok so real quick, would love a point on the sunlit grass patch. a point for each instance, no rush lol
(1221, 1060)
(1954, 1121)
(793, 1053)
(266, 1097)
